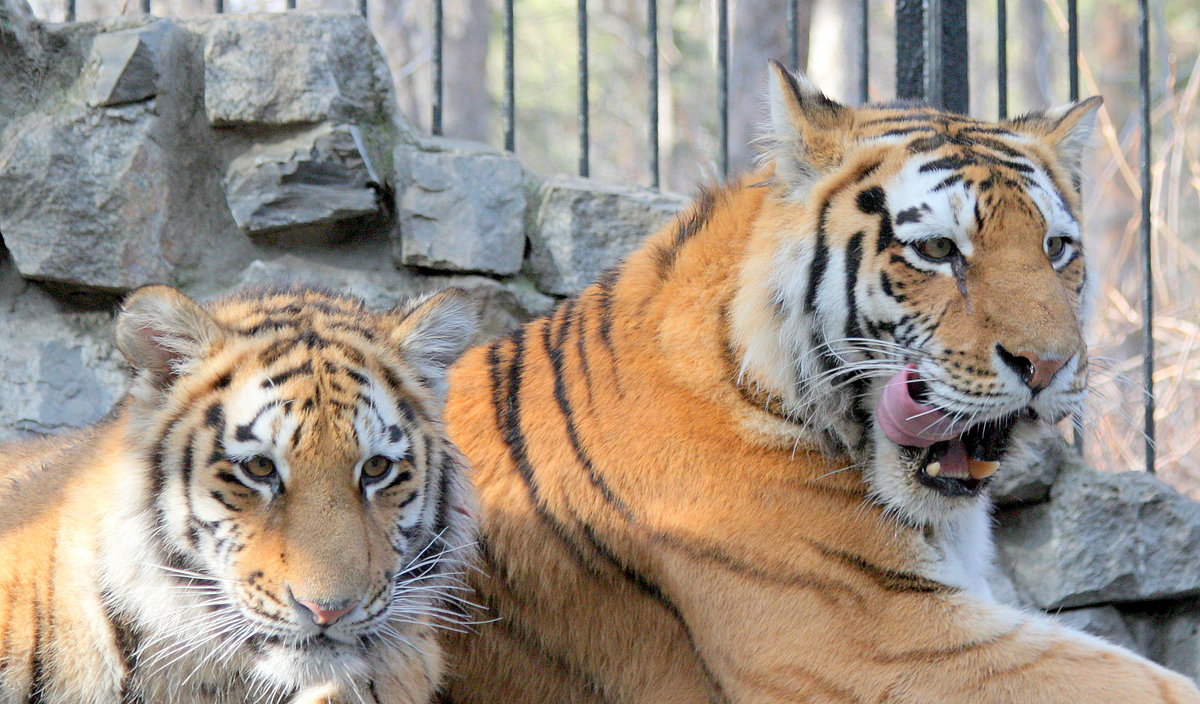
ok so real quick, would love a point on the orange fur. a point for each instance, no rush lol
(140, 561)
(661, 522)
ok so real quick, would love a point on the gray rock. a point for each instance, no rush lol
(582, 227)
(314, 178)
(1030, 469)
(293, 68)
(1177, 643)
(1103, 621)
(122, 65)
(83, 198)
(58, 366)
(461, 207)
(20, 40)
(1103, 538)
(505, 304)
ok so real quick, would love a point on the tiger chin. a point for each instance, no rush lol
(274, 513)
(749, 463)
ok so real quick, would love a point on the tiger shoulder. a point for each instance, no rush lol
(750, 463)
(274, 512)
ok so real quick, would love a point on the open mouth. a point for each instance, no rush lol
(952, 458)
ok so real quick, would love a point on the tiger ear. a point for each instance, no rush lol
(805, 130)
(434, 330)
(160, 331)
(1066, 128)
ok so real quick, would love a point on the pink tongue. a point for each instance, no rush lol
(905, 421)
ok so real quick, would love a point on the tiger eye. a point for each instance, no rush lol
(377, 466)
(259, 466)
(1055, 247)
(937, 248)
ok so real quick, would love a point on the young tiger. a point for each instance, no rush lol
(273, 514)
(747, 465)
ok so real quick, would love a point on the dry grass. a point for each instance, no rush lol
(1114, 440)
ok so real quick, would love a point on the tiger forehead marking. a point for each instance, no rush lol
(275, 511)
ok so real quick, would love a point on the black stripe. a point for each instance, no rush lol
(604, 298)
(816, 269)
(508, 412)
(686, 228)
(126, 639)
(853, 261)
(281, 377)
(37, 674)
(581, 348)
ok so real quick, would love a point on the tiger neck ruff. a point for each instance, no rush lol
(273, 514)
(747, 464)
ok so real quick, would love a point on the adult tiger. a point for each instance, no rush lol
(273, 513)
(746, 465)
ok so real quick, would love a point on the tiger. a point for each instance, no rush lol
(273, 512)
(750, 462)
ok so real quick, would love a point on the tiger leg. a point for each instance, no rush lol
(828, 637)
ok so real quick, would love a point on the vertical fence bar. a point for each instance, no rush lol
(864, 51)
(584, 137)
(1002, 58)
(145, 7)
(510, 85)
(652, 69)
(723, 81)
(932, 52)
(291, 4)
(1073, 78)
(70, 12)
(439, 86)
(1147, 249)
(363, 10)
(219, 7)
(1073, 47)
(793, 23)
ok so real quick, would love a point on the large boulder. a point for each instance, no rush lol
(461, 207)
(22, 55)
(580, 228)
(1105, 622)
(83, 198)
(293, 69)
(1031, 468)
(318, 177)
(1103, 538)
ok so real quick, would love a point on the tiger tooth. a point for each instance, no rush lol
(933, 469)
(981, 469)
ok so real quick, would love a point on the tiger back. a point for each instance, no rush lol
(273, 513)
(750, 463)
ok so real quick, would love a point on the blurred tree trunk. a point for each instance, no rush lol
(468, 110)
(759, 31)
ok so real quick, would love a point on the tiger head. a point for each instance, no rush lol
(916, 286)
(300, 484)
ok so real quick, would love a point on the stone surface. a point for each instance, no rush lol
(581, 227)
(1103, 538)
(122, 67)
(461, 207)
(58, 366)
(293, 69)
(83, 198)
(1103, 621)
(505, 304)
(317, 177)
(1031, 468)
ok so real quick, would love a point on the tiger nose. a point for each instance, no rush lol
(325, 613)
(1033, 369)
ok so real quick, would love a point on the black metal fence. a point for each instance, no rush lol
(932, 53)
